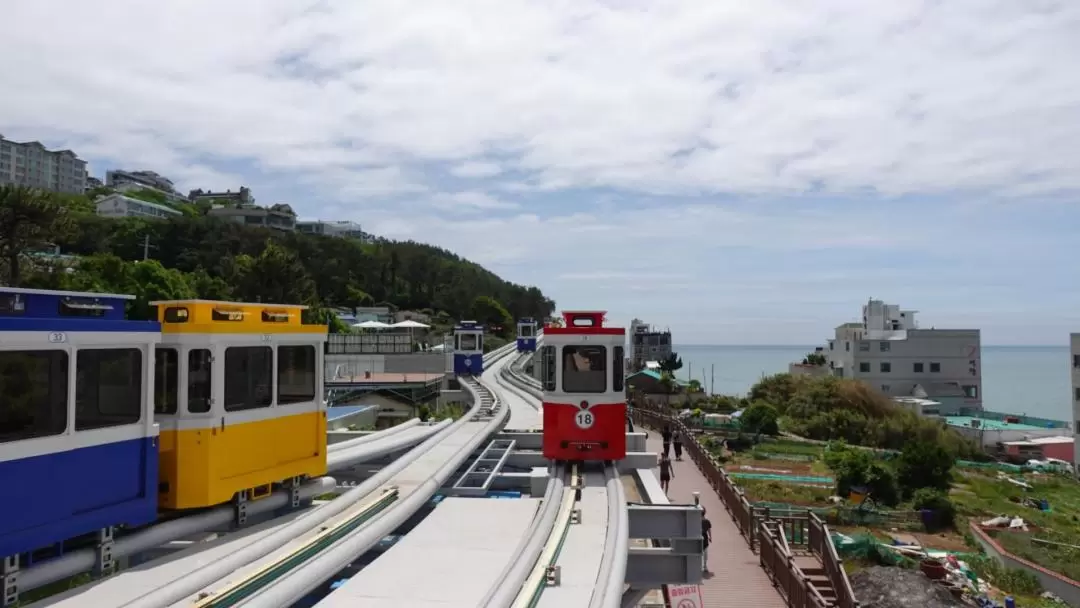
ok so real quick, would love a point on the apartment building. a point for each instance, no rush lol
(647, 344)
(890, 352)
(1074, 367)
(278, 217)
(118, 205)
(146, 179)
(342, 229)
(31, 164)
(132, 181)
(240, 197)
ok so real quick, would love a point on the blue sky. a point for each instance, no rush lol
(744, 173)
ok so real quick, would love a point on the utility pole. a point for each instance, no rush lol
(146, 247)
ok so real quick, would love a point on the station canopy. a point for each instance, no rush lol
(372, 325)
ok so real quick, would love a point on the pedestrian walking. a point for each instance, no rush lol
(706, 540)
(667, 440)
(676, 443)
(666, 473)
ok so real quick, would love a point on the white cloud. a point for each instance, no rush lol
(476, 169)
(362, 106)
(470, 202)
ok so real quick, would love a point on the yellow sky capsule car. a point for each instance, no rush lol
(239, 397)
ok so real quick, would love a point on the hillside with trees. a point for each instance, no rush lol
(194, 255)
(828, 408)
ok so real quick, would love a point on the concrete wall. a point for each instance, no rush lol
(413, 363)
(798, 369)
(1061, 586)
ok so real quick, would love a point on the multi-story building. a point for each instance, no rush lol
(278, 217)
(93, 182)
(146, 179)
(647, 344)
(1074, 366)
(30, 164)
(890, 352)
(343, 229)
(133, 181)
(118, 205)
(241, 197)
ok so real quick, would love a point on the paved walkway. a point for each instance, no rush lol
(736, 577)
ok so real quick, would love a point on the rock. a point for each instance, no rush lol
(884, 587)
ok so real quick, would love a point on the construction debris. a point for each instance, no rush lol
(885, 587)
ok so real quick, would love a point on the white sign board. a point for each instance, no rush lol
(685, 596)
(584, 419)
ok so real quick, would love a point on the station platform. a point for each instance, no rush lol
(456, 554)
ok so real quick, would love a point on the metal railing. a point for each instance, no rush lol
(800, 530)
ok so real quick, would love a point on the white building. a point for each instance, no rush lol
(1074, 361)
(30, 164)
(278, 217)
(343, 229)
(890, 352)
(132, 181)
(118, 205)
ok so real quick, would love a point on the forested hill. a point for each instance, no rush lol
(205, 257)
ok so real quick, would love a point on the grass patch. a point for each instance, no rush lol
(774, 491)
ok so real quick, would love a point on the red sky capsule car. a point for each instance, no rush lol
(582, 366)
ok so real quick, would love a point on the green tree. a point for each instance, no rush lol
(669, 384)
(28, 218)
(814, 358)
(492, 314)
(671, 364)
(854, 468)
(924, 465)
(760, 418)
(275, 276)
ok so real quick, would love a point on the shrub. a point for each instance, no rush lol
(760, 418)
(937, 501)
(924, 465)
(855, 468)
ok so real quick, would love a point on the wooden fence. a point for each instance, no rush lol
(772, 537)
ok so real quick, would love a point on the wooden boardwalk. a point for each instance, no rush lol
(736, 577)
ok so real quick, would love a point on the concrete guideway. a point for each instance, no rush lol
(415, 484)
(578, 563)
(458, 550)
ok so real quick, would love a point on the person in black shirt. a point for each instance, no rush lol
(676, 443)
(667, 440)
(706, 539)
(666, 472)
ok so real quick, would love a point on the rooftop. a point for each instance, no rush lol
(1042, 441)
(993, 425)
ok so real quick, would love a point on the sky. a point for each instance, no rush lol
(740, 172)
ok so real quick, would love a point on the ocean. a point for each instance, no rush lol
(1032, 380)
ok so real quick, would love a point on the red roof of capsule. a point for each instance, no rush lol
(584, 322)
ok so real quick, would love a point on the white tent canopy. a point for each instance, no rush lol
(410, 324)
(372, 325)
